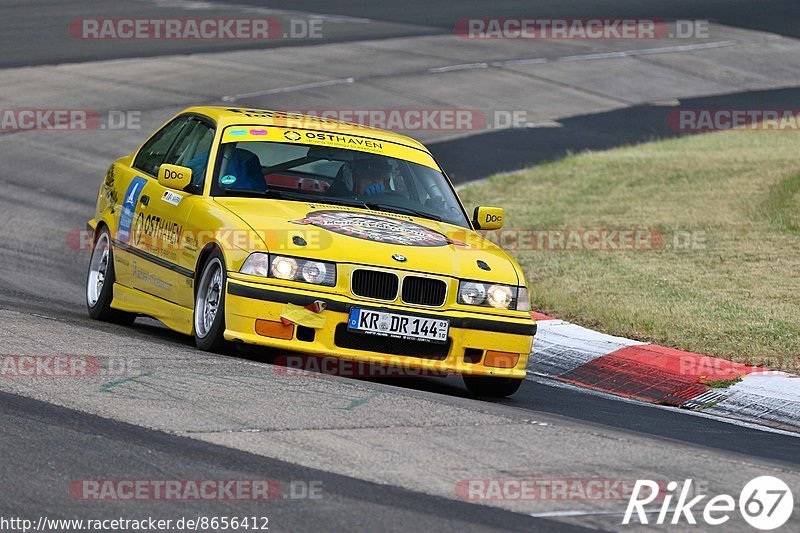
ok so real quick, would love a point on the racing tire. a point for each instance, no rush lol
(209, 305)
(491, 387)
(100, 283)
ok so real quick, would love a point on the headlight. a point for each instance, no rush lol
(283, 267)
(290, 268)
(500, 296)
(471, 293)
(493, 295)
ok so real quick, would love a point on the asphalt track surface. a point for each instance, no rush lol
(44, 434)
(388, 456)
(30, 39)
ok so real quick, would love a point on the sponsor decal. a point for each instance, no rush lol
(374, 228)
(227, 179)
(172, 174)
(155, 227)
(292, 135)
(258, 132)
(129, 208)
(109, 192)
(344, 141)
(150, 278)
(171, 197)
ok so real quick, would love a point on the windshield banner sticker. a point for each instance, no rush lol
(374, 228)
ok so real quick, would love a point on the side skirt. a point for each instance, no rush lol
(172, 315)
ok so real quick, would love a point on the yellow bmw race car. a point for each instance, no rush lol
(308, 235)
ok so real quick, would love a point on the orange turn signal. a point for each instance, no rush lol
(276, 330)
(500, 359)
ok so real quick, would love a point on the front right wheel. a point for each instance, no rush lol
(209, 305)
(491, 387)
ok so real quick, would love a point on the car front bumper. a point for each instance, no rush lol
(478, 344)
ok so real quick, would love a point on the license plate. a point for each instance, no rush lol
(398, 326)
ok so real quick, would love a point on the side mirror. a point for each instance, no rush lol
(174, 176)
(488, 218)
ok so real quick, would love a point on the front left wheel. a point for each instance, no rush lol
(209, 305)
(100, 283)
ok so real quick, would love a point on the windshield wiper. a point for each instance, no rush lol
(403, 210)
(340, 202)
(290, 195)
(269, 193)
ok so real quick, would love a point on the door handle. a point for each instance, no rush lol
(145, 200)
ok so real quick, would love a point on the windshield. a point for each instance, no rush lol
(335, 175)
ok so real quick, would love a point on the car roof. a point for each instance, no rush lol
(226, 116)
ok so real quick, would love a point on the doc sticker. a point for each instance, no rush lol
(374, 228)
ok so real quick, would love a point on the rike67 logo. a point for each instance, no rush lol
(765, 503)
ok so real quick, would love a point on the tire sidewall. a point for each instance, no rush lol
(214, 340)
(103, 303)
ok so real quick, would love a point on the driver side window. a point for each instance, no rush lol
(155, 150)
(192, 149)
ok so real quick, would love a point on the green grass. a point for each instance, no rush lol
(722, 383)
(734, 293)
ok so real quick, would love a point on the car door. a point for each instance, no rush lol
(163, 229)
(133, 186)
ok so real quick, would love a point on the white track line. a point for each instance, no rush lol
(588, 57)
(510, 62)
(547, 514)
(279, 90)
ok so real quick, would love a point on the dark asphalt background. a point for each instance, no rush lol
(32, 32)
(62, 445)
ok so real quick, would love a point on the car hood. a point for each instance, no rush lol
(376, 238)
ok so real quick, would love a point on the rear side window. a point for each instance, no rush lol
(155, 150)
(192, 149)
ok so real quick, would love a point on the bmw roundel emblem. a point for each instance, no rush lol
(398, 257)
